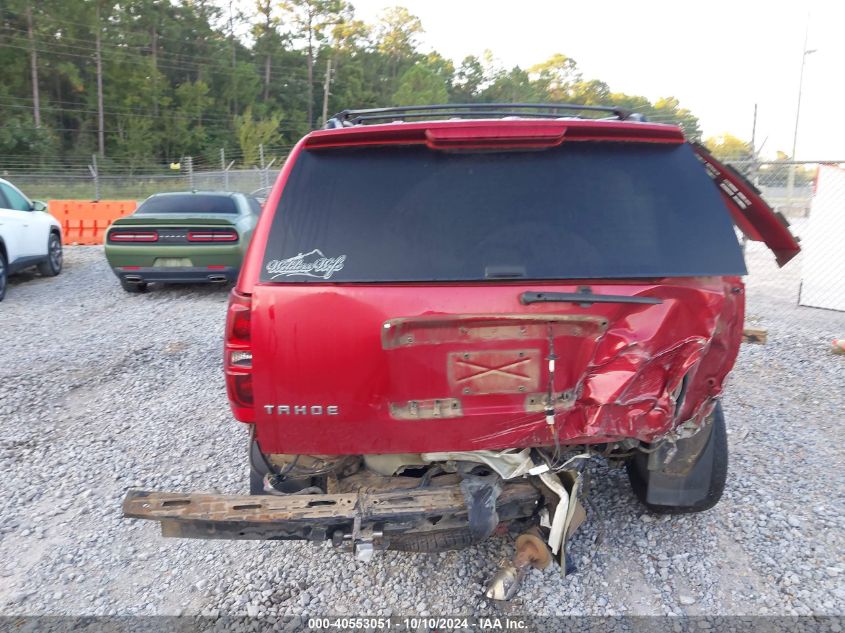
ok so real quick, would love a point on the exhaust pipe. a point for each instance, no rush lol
(218, 279)
(531, 551)
(133, 278)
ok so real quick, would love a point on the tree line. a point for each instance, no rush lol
(146, 82)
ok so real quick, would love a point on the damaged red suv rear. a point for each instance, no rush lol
(445, 311)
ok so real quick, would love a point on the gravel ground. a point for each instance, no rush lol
(101, 391)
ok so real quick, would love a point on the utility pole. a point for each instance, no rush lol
(267, 61)
(326, 86)
(265, 8)
(155, 67)
(754, 134)
(33, 62)
(754, 172)
(790, 187)
(234, 60)
(310, 60)
(755, 166)
(100, 123)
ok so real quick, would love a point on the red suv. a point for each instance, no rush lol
(445, 310)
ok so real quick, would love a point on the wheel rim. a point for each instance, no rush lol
(55, 253)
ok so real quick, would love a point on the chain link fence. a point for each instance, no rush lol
(810, 195)
(87, 178)
(70, 186)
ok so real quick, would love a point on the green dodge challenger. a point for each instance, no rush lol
(182, 238)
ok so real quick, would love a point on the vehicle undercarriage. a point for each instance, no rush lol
(438, 501)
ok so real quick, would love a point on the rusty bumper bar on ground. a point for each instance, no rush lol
(314, 517)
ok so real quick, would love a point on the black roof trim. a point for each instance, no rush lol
(348, 118)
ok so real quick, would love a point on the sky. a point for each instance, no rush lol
(718, 57)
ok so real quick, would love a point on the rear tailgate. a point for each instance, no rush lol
(387, 294)
(392, 368)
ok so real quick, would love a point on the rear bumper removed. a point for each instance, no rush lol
(348, 519)
(186, 274)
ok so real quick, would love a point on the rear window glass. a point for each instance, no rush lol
(254, 206)
(583, 210)
(189, 203)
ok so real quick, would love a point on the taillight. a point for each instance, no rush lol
(224, 235)
(133, 236)
(238, 356)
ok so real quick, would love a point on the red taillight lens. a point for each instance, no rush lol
(239, 387)
(133, 236)
(213, 236)
(238, 356)
(238, 323)
(243, 389)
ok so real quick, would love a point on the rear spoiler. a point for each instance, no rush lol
(181, 220)
(751, 214)
(485, 134)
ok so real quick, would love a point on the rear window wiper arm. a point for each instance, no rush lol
(584, 297)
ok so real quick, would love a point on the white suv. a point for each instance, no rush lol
(29, 236)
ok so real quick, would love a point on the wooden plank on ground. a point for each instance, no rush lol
(752, 335)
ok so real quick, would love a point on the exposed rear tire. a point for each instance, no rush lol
(715, 452)
(52, 266)
(432, 542)
(134, 287)
(256, 483)
(258, 469)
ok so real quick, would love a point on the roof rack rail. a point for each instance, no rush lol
(348, 118)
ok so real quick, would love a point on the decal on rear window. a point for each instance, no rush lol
(311, 264)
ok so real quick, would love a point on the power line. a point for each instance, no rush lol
(216, 123)
(112, 112)
(147, 62)
(179, 64)
(205, 118)
(216, 31)
(89, 25)
(144, 62)
(176, 57)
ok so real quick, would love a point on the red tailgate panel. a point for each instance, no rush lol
(435, 368)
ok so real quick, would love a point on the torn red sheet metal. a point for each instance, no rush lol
(751, 214)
